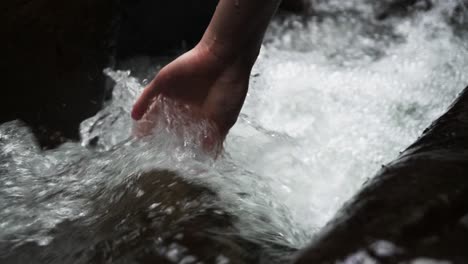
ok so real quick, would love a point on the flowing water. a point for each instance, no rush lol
(332, 98)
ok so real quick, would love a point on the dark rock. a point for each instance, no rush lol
(156, 217)
(418, 203)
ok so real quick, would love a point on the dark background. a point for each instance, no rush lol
(53, 53)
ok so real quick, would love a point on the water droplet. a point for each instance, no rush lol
(140, 193)
(169, 210)
(44, 241)
(154, 205)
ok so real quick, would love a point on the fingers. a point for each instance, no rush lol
(144, 101)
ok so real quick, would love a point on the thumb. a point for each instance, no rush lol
(144, 101)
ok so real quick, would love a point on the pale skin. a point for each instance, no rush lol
(213, 77)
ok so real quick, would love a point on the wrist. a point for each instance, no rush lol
(230, 53)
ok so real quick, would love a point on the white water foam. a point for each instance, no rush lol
(315, 127)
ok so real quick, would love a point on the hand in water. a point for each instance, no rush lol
(214, 88)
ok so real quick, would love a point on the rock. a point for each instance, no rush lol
(418, 203)
(156, 217)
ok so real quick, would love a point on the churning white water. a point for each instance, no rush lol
(332, 98)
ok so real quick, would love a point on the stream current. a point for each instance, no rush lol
(332, 98)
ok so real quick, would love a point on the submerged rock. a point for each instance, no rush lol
(416, 207)
(155, 217)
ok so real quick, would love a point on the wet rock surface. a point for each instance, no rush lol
(155, 217)
(417, 204)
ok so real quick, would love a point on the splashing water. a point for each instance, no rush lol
(331, 99)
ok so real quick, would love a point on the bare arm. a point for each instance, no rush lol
(237, 28)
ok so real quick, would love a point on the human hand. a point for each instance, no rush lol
(214, 88)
